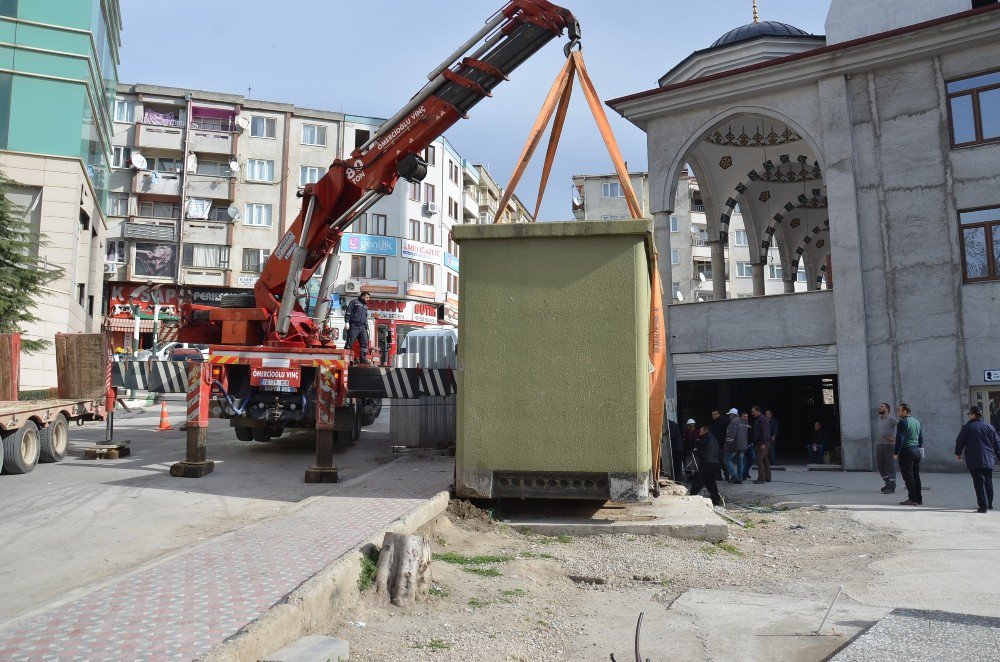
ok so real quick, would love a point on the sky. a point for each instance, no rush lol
(369, 58)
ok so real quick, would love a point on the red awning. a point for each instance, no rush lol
(127, 325)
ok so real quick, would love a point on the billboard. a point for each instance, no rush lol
(368, 244)
(451, 262)
(155, 260)
(421, 251)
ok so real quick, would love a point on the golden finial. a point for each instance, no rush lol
(756, 18)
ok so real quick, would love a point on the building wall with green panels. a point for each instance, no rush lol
(553, 350)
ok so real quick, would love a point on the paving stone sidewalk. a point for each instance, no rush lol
(182, 607)
(918, 635)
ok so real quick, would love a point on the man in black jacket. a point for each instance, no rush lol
(357, 325)
(718, 429)
(980, 443)
(709, 456)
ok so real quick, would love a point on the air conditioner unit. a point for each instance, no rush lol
(110, 268)
(432, 208)
(352, 287)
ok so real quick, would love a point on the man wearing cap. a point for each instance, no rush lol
(736, 446)
(357, 325)
(979, 442)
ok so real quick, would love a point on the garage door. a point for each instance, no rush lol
(743, 364)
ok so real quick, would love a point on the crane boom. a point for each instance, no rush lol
(352, 185)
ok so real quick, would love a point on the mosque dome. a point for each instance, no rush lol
(752, 31)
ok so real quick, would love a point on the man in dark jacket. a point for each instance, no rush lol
(761, 437)
(709, 456)
(909, 450)
(816, 448)
(750, 459)
(718, 429)
(357, 325)
(676, 449)
(980, 443)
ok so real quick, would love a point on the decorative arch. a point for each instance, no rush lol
(810, 237)
(816, 201)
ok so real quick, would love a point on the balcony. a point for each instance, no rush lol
(701, 251)
(152, 136)
(148, 182)
(206, 141)
(207, 186)
(203, 276)
(150, 229)
(205, 232)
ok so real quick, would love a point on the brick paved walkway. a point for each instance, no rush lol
(182, 607)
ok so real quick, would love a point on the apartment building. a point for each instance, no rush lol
(58, 72)
(601, 198)
(485, 196)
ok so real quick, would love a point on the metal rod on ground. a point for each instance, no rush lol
(638, 629)
(827, 615)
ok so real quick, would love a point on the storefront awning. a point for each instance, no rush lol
(127, 325)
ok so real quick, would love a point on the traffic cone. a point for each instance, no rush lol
(164, 422)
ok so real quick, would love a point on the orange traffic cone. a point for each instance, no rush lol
(164, 422)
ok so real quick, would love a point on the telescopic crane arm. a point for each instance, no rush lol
(353, 185)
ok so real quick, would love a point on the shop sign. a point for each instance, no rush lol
(205, 296)
(450, 315)
(122, 296)
(247, 280)
(409, 311)
(991, 376)
(451, 261)
(368, 244)
(420, 251)
(418, 290)
(376, 286)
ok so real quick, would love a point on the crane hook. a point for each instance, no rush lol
(574, 38)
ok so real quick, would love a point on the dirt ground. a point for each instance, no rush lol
(759, 595)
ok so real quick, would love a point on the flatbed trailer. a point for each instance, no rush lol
(38, 431)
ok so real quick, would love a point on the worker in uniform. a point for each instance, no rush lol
(357, 324)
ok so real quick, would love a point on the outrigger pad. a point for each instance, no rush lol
(322, 475)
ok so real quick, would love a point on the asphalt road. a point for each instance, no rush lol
(66, 526)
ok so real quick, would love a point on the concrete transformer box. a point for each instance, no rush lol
(553, 360)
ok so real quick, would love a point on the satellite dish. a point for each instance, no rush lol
(138, 161)
(694, 229)
(233, 211)
(242, 121)
(701, 276)
(234, 165)
(680, 296)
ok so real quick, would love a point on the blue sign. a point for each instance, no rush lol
(451, 261)
(369, 244)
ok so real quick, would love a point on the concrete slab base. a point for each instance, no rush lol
(918, 635)
(687, 517)
(314, 648)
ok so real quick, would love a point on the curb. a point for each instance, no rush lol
(308, 609)
(714, 532)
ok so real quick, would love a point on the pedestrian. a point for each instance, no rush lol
(357, 325)
(885, 430)
(816, 448)
(762, 439)
(750, 457)
(676, 449)
(980, 444)
(908, 451)
(772, 434)
(718, 428)
(736, 442)
(690, 441)
(708, 453)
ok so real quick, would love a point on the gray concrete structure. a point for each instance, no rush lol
(845, 158)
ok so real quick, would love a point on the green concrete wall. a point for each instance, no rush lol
(553, 347)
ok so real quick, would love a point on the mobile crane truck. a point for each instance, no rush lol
(274, 365)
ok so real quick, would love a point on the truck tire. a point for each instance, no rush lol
(54, 440)
(20, 449)
(370, 411)
(263, 435)
(244, 433)
(238, 301)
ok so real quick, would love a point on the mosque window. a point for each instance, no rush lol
(974, 109)
(980, 236)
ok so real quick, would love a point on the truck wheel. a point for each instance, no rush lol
(371, 411)
(54, 440)
(262, 435)
(244, 433)
(20, 449)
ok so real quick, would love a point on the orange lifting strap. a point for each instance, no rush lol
(557, 101)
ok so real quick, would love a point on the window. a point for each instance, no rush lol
(378, 267)
(414, 229)
(800, 275)
(361, 136)
(81, 291)
(259, 170)
(120, 157)
(974, 109)
(980, 243)
(118, 204)
(744, 270)
(428, 274)
(428, 233)
(452, 208)
(677, 289)
(453, 171)
(165, 164)
(219, 214)
(774, 272)
(674, 224)
(115, 252)
(263, 127)
(314, 134)
(90, 305)
(429, 193)
(415, 191)
(257, 214)
(207, 256)
(359, 266)
(160, 209)
(430, 155)
(379, 225)
(612, 190)
(675, 256)
(214, 168)
(124, 111)
(413, 272)
(452, 246)
(739, 237)
(254, 259)
(453, 283)
(308, 175)
(360, 224)
(484, 219)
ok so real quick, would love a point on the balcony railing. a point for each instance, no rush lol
(698, 208)
(149, 182)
